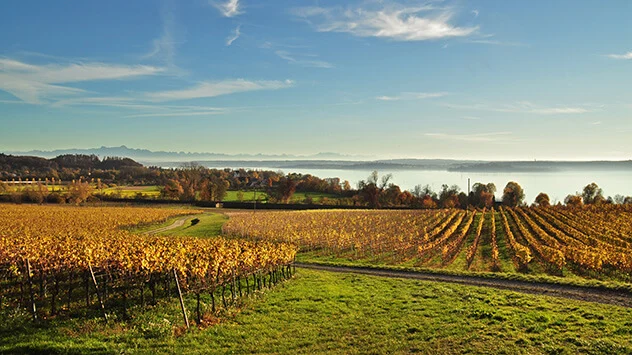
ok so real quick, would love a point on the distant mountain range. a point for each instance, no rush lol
(333, 161)
(147, 156)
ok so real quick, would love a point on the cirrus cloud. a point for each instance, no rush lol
(393, 21)
(627, 55)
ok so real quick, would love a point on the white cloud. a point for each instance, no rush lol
(621, 56)
(559, 110)
(36, 84)
(295, 59)
(413, 96)
(523, 107)
(232, 38)
(217, 88)
(230, 8)
(496, 137)
(394, 21)
(164, 47)
(475, 12)
(388, 98)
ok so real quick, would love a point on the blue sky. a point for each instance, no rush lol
(406, 78)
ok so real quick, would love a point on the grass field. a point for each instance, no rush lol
(209, 225)
(321, 312)
(299, 197)
(132, 191)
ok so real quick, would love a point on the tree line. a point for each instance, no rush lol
(84, 177)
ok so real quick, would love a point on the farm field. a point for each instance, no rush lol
(587, 243)
(132, 191)
(315, 312)
(57, 261)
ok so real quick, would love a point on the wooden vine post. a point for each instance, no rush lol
(28, 273)
(184, 311)
(96, 288)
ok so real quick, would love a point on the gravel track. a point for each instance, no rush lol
(588, 294)
(174, 225)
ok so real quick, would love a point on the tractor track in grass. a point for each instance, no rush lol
(588, 294)
(177, 223)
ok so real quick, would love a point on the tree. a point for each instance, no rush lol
(482, 195)
(214, 189)
(542, 200)
(79, 191)
(428, 202)
(172, 189)
(284, 190)
(449, 196)
(391, 196)
(370, 191)
(573, 201)
(423, 191)
(190, 180)
(513, 195)
(592, 194)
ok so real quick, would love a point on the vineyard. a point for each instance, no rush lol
(590, 242)
(54, 259)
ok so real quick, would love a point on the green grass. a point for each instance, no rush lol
(298, 197)
(231, 196)
(317, 197)
(321, 312)
(210, 225)
(131, 191)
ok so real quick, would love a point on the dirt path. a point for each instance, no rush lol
(589, 294)
(174, 225)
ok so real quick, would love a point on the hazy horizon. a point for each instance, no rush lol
(476, 80)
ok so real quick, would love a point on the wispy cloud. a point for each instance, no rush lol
(392, 21)
(413, 96)
(36, 84)
(164, 47)
(523, 107)
(492, 137)
(627, 55)
(230, 8)
(217, 88)
(142, 109)
(475, 13)
(304, 62)
(233, 37)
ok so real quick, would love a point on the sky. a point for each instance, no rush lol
(491, 79)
